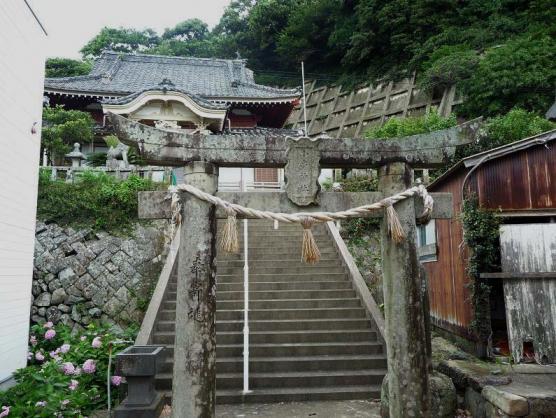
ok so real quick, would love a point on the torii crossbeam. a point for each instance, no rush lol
(405, 332)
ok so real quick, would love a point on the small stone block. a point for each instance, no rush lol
(151, 411)
(507, 402)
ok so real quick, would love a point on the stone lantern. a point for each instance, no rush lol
(76, 156)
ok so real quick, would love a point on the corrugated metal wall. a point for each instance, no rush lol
(522, 181)
(448, 292)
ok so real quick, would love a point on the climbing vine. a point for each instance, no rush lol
(481, 235)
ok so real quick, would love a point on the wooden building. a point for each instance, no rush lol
(22, 40)
(518, 181)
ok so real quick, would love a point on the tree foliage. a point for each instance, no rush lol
(62, 128)
(66, 67)
(500, 53)
(120, 40)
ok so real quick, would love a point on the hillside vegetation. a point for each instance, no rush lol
(500, 53)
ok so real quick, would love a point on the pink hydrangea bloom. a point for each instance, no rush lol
(77, 371)
(68, 368)
(49, 334)
(64, 348)
(39, 356)
(41, 403)
(73, 384)
(116, 380)
(48, 325)
(33, 340)
(83, 338)
(30, 355)
(89, 366)
(5, 411)
(96, 342)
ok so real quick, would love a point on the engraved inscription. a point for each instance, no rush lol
(302, 171)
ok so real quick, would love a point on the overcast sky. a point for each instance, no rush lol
(71, 23)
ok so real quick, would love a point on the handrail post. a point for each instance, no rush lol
(246, 304)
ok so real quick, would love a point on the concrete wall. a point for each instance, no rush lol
(21, 85)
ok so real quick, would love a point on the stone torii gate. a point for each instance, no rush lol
(194, 376)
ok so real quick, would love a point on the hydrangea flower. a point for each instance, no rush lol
(65, 402)
(39, 356)
(64, 348)
(33, 340)
(116, 380)
(5, 411)
(68, 368)
(30, 355)
(83, 338)
(41, 403)
(73, 384)
(48, 325)
(89, 366)
(49, 334)
(96, 342)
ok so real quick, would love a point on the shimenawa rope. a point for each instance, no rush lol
(310, 252)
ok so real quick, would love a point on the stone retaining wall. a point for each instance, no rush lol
(81, 276)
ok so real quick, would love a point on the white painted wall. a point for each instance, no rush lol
(21, 89)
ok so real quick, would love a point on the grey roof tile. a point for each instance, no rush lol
(123, 74)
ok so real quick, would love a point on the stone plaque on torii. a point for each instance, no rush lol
(194, 374)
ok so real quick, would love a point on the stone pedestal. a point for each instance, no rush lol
(406, 341)
(194, 379)
(139, 365)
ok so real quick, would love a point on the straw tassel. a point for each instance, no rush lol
(229, 241)
(395, 229)
(309, 249)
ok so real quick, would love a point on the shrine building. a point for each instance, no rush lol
(195, 95)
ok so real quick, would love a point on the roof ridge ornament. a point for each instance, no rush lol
(166, 84)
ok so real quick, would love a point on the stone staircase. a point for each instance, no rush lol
(310, 338)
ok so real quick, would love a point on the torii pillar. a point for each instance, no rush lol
(194, 376)
(406, 335)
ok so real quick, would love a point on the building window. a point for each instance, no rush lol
(426, 242)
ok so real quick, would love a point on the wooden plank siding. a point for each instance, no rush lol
(519, 183)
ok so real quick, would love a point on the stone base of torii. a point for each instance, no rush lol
(406, 332)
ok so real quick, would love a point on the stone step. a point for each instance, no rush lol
(298, 314)
(283, 276)
(282, 269)
(281, 304)
(281, 337)
(289, 379)
(290, 262)
(285, 364)
(294, 349)
(238, 278)
(273, 250)
(332, 393)
(268, 286)
(284, 325)
(285, 294)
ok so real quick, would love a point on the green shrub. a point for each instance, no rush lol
(501, 130)
(96, 200)
(60, 379)
(397, 127)
(357, 228)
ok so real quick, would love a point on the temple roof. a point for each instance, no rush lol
(166, 86)
(115, 74)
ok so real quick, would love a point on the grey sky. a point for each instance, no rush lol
(71, 23)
